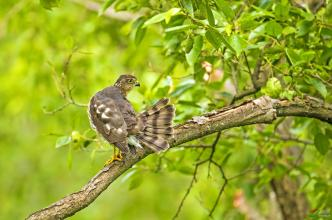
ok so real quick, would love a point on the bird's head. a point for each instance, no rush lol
(126, 83)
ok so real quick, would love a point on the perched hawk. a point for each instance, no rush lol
(112, 115)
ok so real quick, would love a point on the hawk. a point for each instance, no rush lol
(112, 115)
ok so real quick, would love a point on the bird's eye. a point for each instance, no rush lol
(130, 81)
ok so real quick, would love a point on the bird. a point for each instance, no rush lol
(113, 116)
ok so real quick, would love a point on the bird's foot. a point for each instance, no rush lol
(116, 157)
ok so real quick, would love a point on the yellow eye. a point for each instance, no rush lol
(130, 81)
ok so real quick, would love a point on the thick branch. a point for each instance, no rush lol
(261, 110)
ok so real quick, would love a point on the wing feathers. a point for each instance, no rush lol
(157, 125)
(155, 143)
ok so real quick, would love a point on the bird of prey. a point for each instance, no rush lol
(112, 115)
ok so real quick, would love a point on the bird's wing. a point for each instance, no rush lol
(108, 119)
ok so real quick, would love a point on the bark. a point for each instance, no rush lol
(261, 110)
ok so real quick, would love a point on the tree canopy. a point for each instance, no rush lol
(251, 82)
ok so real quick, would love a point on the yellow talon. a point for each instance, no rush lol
(116, 157)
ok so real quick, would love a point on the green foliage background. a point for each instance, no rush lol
(45, 52)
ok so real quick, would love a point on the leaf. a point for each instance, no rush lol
(50, 4)
(135, 182)
(281, 11)
(181, 89)
(248, 23)
(187, 4)
(288, 94)
(216, 39)
(328, 12)
(195, 51)
(179, 28)
(161, 17)
(293, 57)
(304, 27)
(273, 28)
(105, 6)
(288, 30)
(62, 141)
(273, 87)
(209, 14)
(321, 143)
(139, 30)
(258, 31)
(308, 56)
(225, 9)
(238, 43)
(128, 175)
(213, 38)
(185, 169)
(319, 85)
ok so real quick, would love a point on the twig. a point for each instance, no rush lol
(67, 92)
(254, 79)
(222, 187)
(193, 179)
(213, 150)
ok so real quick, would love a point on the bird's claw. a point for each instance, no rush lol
(116, 157)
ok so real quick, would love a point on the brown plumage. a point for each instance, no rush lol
(114, 118)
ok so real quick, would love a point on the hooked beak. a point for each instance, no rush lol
(137, 84)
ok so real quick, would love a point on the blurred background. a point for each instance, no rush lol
(35, 45)
(53, 61)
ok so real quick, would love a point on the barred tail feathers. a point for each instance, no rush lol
(157, 122)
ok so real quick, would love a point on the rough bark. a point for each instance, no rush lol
(261, 110)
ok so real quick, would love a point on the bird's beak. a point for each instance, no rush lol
(137, 84)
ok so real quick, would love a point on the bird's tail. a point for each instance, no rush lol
(157, 125)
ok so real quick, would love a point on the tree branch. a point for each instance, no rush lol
(261, 110)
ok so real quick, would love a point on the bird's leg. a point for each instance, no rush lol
(116, 157)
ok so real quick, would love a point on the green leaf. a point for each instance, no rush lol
(193, 55)
(139, 30)
(179, 28)
(281, 11)
(135, 182)
(258, 31)
(185, 169)
(304, 27)
(321, 143)
(288, 94)
(185, 86)
(328, 12)
(105, 6)
(293, 57)
(288, 30)
(308, 56)
(273, 28)
(319, 85)
(238, 43)
(187, 4)
(216, 39)
(49, 4)
(273, 87)
(209, 14)
(62, 141)
(226, 9)
(161, 17)
(248, 23)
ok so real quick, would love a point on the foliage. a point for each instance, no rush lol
(202, 54)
